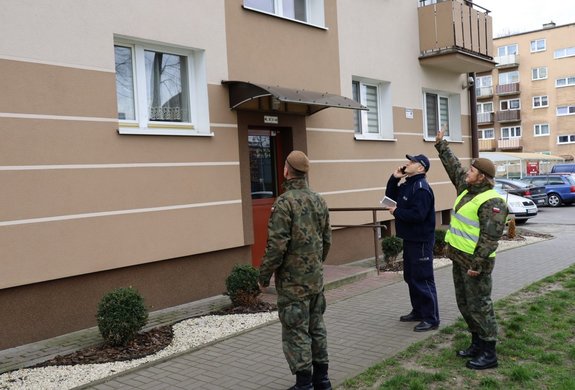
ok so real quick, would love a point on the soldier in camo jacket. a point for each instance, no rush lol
(477, 222)
(299, 240)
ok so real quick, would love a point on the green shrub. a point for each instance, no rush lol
(391, 247)
(242, 285)
(121, 315)
(439, 246)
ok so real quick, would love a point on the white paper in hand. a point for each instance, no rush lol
(388, 202)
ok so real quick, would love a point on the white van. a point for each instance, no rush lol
(563, 168)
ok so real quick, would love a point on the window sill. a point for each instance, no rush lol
(160, 131)
(359, 137)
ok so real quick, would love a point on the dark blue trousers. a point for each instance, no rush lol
(418, 274)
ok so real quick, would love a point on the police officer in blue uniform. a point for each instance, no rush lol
(415, 224)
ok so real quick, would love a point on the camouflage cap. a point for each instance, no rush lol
(298, 161)
(485, 166)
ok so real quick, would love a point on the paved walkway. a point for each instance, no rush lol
(362, 321)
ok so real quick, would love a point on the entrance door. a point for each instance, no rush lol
(268, 149)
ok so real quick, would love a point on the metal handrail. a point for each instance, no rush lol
(374, 225)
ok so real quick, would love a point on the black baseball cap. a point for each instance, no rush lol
(420, 158)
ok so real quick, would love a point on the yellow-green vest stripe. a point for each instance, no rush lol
(463, 232)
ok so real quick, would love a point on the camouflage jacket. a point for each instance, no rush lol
(492, 215)
(299, 240)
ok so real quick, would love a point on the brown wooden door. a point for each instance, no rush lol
(268, 149)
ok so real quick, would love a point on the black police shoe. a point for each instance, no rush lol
(424, 327)
(411, 317)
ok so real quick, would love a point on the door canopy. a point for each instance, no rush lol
(259, 97)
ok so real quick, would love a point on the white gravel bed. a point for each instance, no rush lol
(188, 334)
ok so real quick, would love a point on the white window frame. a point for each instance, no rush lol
(453, 125)
(384, 110)
(481, 133)
(569, 110)
(481, 107)
(570, 139)
(513, 132)
(568, 81)
(538, 130)
(315, 14)
(484, 85)
(199, 124)
(512, 49)
(508, 77)
(540, 101)
(539, 73)
(508, 103)
(564, 52)
(536, 45)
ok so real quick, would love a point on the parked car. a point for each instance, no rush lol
(520, 208)
(563, 168)
(560, 187)
(538, 194)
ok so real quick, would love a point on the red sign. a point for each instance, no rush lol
(532, 167)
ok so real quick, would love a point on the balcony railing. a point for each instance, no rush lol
(455, 36)
(509, 144)
(487, 145)
(508, 116)
(484, 118)
(507, 89)
(483, 92)
(508, 61)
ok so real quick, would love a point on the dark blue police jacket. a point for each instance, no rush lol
(415, 213)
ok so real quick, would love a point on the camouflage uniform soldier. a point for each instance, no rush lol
(298, 243)
(477, 222)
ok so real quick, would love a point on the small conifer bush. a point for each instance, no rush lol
(242, 285)
(121, 315)
(439, 246)
(391, 247)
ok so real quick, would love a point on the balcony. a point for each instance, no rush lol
(487, 145)
(509, 144)
(484, 118)
(508, 116)
(508, 61)
(507, 89)
(455, 36)
(483, 92)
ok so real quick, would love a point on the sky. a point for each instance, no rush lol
(515, 16)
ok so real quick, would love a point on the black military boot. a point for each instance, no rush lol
(473, 350)
(302, 381)
(486, 359)
(320, 379)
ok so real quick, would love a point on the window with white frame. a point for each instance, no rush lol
(484, 107)
(158, 89)
(541, 129)
(564, 52)
(507, 50)
(511, 132)
(565, 82)
(539, 73)
(566, 139)
(305, 11)
(377, 121)
(486, 133)
(540, 101)
(442, 111)
(538, 45)
(508, 77)
(484, 86)
(566, 110)
(511, 104)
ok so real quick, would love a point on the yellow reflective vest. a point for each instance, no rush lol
(463, 232)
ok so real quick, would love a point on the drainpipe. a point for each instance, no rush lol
(473, 114)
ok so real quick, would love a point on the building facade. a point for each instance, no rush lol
(143, 141)
(527, 104)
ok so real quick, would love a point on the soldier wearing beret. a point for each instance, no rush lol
(299, 240)
(415, 225)
(477, 222)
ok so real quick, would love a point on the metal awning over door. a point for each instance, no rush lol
(261, 97)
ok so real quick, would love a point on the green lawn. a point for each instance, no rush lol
(536, 348)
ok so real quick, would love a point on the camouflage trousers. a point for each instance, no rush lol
(473, 296)
(304, 337)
